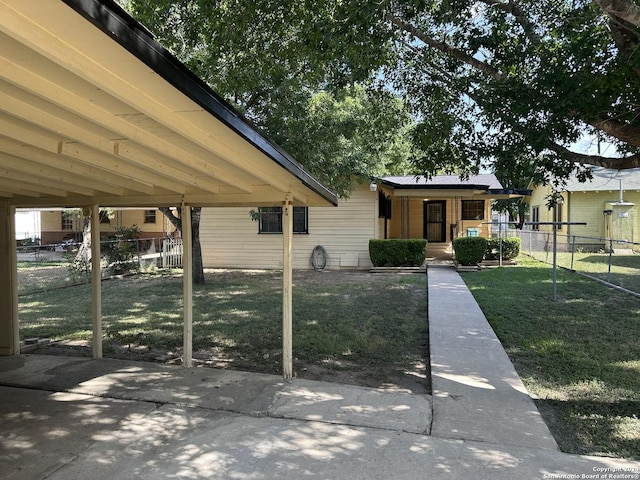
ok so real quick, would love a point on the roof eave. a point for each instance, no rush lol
(112, 20)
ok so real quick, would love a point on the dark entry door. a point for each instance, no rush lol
(434, 221)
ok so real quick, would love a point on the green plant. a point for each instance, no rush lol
(469, 250)
(510, 248)
(397, 253)
(119, 251)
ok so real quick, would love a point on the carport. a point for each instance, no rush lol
(95, 113)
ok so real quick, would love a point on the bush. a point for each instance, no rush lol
(469, 250)
(510, 248)
(397, 253)
(119, 251)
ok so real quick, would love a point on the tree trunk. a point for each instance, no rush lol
(176, 221)
(82, 260)
(198, 267)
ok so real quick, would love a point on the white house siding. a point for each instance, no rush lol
(230, 239)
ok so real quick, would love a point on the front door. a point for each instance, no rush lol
(434, 221)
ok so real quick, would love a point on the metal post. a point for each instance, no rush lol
(573, 250)
(555, 236)
(610, 257)
(500, 241)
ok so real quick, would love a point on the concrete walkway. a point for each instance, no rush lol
(68, 418)
(477, 394)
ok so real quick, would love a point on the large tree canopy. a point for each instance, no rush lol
(487, 80)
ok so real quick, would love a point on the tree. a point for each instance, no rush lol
(521, 177)
(488, 80)
(196, 258)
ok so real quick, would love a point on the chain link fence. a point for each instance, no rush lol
(612, 261)
(45, 267)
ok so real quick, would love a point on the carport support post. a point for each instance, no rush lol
(187, 286)
(9, 331)
(287, 285)
(96, 278)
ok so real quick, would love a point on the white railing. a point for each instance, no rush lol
(172, 253)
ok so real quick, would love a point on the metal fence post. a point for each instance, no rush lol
(610, 256)
(573, 250)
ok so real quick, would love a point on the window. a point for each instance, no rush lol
(271, 220)
(149, 216)
(67, 221)
(558, 216)
(472, 209)
(104, 217)
(535, 217)
(300, 220)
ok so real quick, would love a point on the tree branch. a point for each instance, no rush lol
(444, 47)
(514, 9)
(626, 10)
(620, 130)
(623, 163)
(175, 221)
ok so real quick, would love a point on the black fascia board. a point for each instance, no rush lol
(417, 186)
(510, 191)
(115, 22)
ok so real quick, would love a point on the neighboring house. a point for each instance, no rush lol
(607, 204)
(438, 209)
(58, 225)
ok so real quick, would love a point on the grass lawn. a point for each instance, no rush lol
(624, 271)
(352, 327)
(578, 356)
(42, 275)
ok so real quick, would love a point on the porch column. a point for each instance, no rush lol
(96, 280)
(9, 330)
(187, 286)
(287, 285)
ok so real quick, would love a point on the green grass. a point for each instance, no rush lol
(341, 321)
(580, 355)
(624, 270)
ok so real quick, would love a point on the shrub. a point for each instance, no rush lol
(469, 250)
(120, 250)
(510, 248)
(397, 253)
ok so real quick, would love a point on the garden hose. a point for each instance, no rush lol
(318, 258)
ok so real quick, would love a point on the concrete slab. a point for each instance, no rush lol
(477, 394)
(170, 442)
(216, 389)
(351, 405)
(42, 431)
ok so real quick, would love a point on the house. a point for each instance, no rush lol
(607, 204)
(57, 225)
(437, 209)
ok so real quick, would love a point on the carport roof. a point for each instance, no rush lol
(93, 110)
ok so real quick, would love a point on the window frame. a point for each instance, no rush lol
(535, 217)
(270, 221)
(66, 222)
(558, 214)
(148, 214)
(465, 214)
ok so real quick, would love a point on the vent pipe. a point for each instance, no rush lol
(621, 195)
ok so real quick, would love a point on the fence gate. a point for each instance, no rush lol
(172, 253)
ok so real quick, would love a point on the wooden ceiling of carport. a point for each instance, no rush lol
(84, 120)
